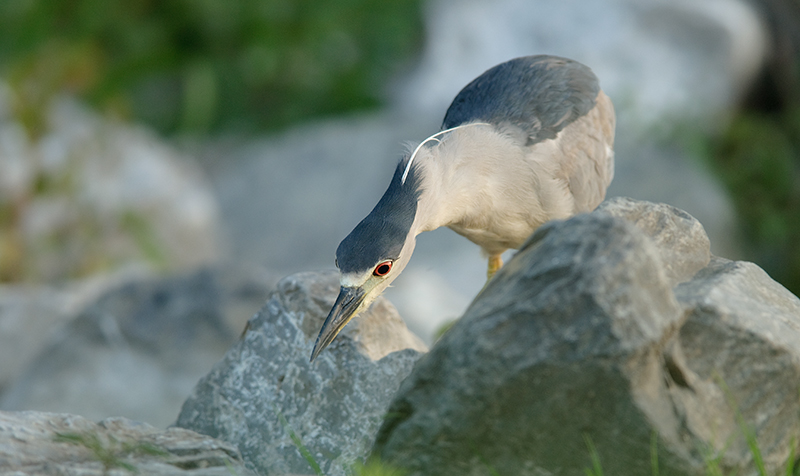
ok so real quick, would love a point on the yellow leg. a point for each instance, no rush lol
(495, 263)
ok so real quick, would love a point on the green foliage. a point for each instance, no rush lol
(375, 467)
(182, 66)
(199, 65)
(758, 160)
(791, 468)
(713, 461)
(77, 240)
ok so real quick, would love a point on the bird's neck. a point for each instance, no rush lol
(457, 174)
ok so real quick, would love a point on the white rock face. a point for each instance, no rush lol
(655, 58)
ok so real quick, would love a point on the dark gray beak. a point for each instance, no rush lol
(342, 311)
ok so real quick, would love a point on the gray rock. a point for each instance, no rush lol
(543, 357)
(140, 349)
(265, 392)
(580, 336)
(62, 444)
(739, 350)
(27, 317)
(681, 241)
(32, 315)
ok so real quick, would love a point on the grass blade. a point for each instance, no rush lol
(790, 461)
(747, 430)
(712, 462)
(300, 446)
(654, 453)
(597, 468)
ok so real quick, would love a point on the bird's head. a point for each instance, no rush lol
(374, 253)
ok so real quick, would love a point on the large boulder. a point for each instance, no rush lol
(274, 405)
(50, 443)
(140, 348)
(545, 356)
(580, 341)
(739, 349)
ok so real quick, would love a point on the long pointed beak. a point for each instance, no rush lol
(342, 311)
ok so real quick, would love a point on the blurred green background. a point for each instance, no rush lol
(201, 68)
(207, 67)
(756, 157)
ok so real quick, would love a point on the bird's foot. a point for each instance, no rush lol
(495, 263)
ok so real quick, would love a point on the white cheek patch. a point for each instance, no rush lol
(353, 280)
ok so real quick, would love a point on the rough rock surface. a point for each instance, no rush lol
(680, 239)
(139, 350)
(265, 390)
(70, 445)
(545, 355)
(580, 337)
(739, 346)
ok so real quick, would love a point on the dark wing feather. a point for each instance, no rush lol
(539, 94)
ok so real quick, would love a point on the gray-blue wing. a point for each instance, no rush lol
(539, 94)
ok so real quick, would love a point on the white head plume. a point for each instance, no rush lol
(435, 137)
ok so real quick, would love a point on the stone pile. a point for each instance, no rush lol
(616, 330)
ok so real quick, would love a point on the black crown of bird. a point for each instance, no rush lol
(528, 141)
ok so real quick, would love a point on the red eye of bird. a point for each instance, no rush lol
(383, 269)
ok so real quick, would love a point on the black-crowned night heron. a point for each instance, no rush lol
(528, 141)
